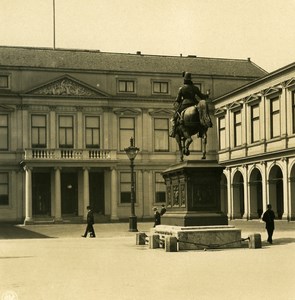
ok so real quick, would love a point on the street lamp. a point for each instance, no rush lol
(131, 152)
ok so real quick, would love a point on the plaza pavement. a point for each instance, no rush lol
(55, 262)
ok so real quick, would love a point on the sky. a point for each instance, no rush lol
(263, 30)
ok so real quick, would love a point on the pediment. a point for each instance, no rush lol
(161, 112)
(290, 83)
(220, 112)
(5, 108)
(127, 112)
(272, 91)
(253, 98)
(66, 86)
(235, 105)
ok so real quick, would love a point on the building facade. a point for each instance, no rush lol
(256, 134)
(66, 117)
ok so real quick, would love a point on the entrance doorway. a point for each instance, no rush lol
(41, 196)
(96, 192)
(69, 193)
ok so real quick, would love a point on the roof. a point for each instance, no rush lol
(257, 82)
(106, 61)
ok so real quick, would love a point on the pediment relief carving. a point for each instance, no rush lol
(67, 86)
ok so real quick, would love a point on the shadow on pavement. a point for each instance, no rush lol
(283, 241)
(17, 232)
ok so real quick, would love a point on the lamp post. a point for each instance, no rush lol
(131, 152)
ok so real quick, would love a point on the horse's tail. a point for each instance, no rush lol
(203, 109)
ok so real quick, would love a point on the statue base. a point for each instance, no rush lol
(193, 194)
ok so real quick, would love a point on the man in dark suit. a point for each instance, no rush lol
(269, 217)
(90, 222)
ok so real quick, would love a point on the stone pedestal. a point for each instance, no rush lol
(200, 237)
(193, 194)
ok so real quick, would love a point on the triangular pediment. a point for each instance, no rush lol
(272, 91)
(66, 86)
(220, 111)
(127, 112)
(253, 98)
(290, 83)
(235, 105)
(161, 113)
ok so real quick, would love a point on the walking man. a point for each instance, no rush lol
(90, 222)
(269, 217)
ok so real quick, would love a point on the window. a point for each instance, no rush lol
(161, 137)
(4, 81)
(4, 189)
(160, 87)
(38, 131)
(237, 128)
(92, 135)
(126, 132)
(66, 132)
(126, 86)
(255, 126)
(160, 191)
(293, 111)
(125, 187)
(275, 126)
(3, 132)
(222, 136)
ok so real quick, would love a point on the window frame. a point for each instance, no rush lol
(92, 129)
(128, 184)
(125, 90)
(124, 141)
(7, 188)
(237, 126)
(45, 131)
(7, 131)
(66, 146)
(162, 131)
(160, 92)
(221, 130)
(156, 183)
(253, 121)
(272, 114)
(8, 81)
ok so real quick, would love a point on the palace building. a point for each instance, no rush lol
(256, 134)
(66, 117)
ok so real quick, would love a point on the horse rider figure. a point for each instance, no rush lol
(186, 97)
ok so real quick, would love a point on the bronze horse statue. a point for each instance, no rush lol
(193, 120)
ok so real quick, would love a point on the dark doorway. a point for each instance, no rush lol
(41, 196)
(96, 192)
(69, 193)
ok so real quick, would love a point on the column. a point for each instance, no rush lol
(58, 217)
(246, 194)
(229, 194)
(28, 196)
(285, 215)
(114, 194)
(85, 191)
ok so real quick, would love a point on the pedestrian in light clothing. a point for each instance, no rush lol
(90, 222)
(269, 217)
(157, 217)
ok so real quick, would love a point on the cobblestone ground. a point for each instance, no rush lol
(54, 262)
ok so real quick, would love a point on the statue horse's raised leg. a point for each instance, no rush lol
(180, 147)
(204, 145)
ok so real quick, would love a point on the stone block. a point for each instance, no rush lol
(170, 244)
(255, 241)
(140, 238)
(154, 241)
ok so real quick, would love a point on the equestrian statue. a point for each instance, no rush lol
(191, 116)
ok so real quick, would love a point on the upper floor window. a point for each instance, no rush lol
(4, 81)
(275, 126)
(160, 188)
(92, 132)
(237, 128)
(3, 132)
(160, 87)
(38, 131)
(255, 126)
(126, 86)
(127, 131)
(161, 136)
(4, 189)
(66, 132)
(222, 136)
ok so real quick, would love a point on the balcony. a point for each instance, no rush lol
(68, 154)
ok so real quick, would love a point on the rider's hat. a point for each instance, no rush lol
(187, 76)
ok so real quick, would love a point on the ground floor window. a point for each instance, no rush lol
(4, 199)
(160, 190)
(125, 187)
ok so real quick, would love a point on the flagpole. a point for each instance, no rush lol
(53, 24)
